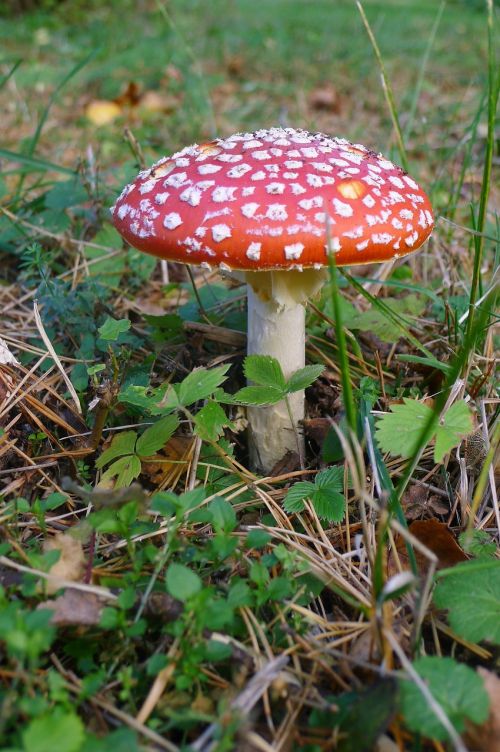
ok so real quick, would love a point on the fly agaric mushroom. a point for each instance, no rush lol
(258, 205)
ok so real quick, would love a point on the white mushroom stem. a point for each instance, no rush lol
(276, 327)
(280, 332)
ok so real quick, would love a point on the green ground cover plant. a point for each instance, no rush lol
(155, 592)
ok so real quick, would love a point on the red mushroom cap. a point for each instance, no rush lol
(260, 200)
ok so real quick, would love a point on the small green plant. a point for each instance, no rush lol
(325, 494)
(187, 595)
(456, 688)
(399, 431)
(128, 450)
(471, 593)
(271, 385)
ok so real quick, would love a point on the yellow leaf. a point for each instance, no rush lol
(70, 564)
(102, 112)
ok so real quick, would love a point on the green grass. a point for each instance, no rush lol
(191, 574)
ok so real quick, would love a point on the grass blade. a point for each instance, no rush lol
(347, 393)
(34, 164)
(389, 96)
(493, 92)
(386, 311)
(76, 68)
(422, 70)
(4, 79)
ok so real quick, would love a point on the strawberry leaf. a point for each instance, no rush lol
(264, 371)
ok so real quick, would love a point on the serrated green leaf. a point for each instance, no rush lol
(278, 589)
(239, 594)
(140, 396)
(182, 583)
(58, 730)
(457, 689)
(303, 378)
(478, 543)
(165, 400)
(200, 384)
(264, 371)
(398, 432)
(223, 515)
(259, 395)
(329, 504)
(332, 477)
(471, 593)
(294, 499)
(123, 443)
(154, 438)
(376, 321)
(456, 424)
(112, 328)
(166, 326)
(257, 539)
(210, 421)
(217, 651)
(324, 494)
(125, 470)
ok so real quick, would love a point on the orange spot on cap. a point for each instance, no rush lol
(352, 189)
(209, 149)
(353, 150)
(162, 170)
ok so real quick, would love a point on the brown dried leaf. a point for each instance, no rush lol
(71, 563)
(327, 98)
(287, 464)
(130, 96)
(75, 608)
(316, 429)
(486, 738)
(417, 503)
(437, 538)
(172, 459)
(235, 65)
(163, 606)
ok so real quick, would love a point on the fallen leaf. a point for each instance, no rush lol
(417, 503)
(235, 65)
(6, 357)
(287, 464)
(154, 101)
(75, 608)
(173, 458)
(486, 738)
(163, 606)
(325, 97)
(102, 112)
(130, 96)
(71, 562)
(316, 429)
(437, 538)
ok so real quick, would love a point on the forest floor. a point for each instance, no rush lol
(155, 592)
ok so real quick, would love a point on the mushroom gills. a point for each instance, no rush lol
(282, 288)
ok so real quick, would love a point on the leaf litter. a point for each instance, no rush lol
(308, 589)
